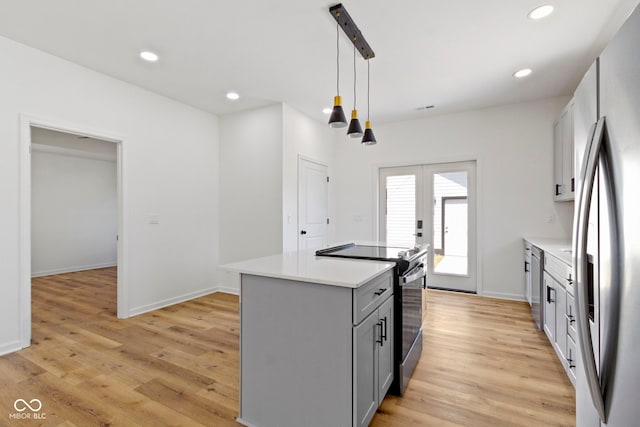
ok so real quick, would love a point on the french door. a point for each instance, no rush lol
(436, 205)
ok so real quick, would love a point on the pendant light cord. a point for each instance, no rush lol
(337, 59)
(368, 87)
(354, 77)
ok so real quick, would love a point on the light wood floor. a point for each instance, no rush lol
(483, 363)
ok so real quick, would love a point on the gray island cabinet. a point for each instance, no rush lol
(316, 342)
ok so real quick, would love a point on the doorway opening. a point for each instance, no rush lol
(433, 204)
(71, 208)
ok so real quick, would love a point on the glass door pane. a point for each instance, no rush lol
(450, 222)
(401, 206)
(401, 210)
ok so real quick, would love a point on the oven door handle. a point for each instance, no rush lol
(414, 275)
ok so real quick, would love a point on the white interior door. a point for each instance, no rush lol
(313, 202)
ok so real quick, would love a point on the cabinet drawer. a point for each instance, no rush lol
(370, 295)
(571, 317)
(560, 271)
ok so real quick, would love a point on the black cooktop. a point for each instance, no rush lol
(365, 252)
(404, 258)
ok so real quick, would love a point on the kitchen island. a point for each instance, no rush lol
(316, 340)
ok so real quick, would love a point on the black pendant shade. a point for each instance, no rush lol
(337, 118)
(368, 138)
(355, 129)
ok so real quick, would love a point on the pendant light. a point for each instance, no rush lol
(368, 138)
(355, 130)
(337, 118)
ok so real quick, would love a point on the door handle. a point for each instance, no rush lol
(580, 261)
(303, 232)
(380, 341)
(384, 335)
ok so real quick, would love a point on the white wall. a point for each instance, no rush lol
(259, 151)
(251, 184)
(170, 168)
(74, 211)
(250, 187)
(513, 146)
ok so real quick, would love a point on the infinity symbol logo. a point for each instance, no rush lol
(37, 405)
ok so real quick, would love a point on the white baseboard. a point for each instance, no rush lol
(228, 290)
(505, 295)
(170, 301)
(71, 269)
(10, 347)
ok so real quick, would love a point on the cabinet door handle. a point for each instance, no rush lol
(380, 341)
(379, 292)
(549, 299)
(558, 189)
(384, 335)
(526, 266)
(570, 361)
(571, 319)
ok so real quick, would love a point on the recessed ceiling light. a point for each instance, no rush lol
(233, 96)
(149, 56)
(327, 110)
(541, 12)
(522, 73)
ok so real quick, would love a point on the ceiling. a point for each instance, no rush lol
(456, 55)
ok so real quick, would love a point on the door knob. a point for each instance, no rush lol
(303, 231)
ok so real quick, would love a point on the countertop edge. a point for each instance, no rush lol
(243, 269)
(552, 246)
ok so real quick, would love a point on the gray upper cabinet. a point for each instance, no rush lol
(585, 113)
(563, 158)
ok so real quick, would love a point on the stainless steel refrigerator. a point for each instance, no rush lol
(606, 240)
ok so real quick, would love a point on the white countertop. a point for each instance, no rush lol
(558, 248)
(307, 267)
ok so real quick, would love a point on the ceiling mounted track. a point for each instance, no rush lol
(351, 30)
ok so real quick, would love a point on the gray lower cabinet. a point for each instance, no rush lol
(373, 373)
(559, 312)
(313, 354)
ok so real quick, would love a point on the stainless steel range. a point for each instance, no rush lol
(408, 283)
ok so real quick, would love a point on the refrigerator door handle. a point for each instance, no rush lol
(580, 261)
